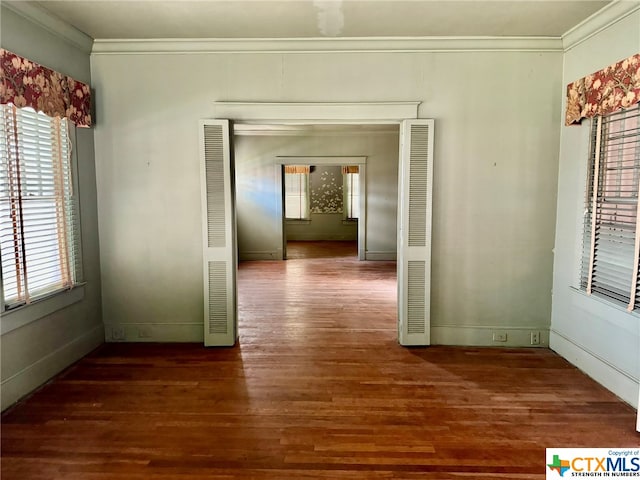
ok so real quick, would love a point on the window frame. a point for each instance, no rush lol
(41, 304)
(612, 185)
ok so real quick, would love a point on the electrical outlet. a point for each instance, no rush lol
(499, 336)
(144, 332)
(118, 333)
(535, 338)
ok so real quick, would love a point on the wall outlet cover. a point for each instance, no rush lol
(499, 336)
(118, 333)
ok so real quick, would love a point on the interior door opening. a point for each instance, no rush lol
(411, 237)
(323, 198)
(321, 217)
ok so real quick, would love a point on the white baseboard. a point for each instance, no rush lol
(266, 255)
(321, 237)
(483, 336)
(620, 383)
(154, 332)
(380, 256)
(28, 379)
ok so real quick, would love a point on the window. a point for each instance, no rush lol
(296, 191)
(611, 235)
(351, 189)
(39, 229)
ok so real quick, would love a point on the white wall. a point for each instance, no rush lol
(601, 339)
(40, 349)
(259, 221)
(496, 152)
(325, 227)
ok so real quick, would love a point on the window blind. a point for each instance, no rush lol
(39, 228)
(611, 234)
(352, 195)
(296, 187)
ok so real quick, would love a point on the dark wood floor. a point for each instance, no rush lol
(317, 388)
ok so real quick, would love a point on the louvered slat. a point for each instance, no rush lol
(419, 163)
(214, 152)
(218, 297)
(416, 301)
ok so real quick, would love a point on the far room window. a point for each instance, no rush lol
(351, 189)
(611, 235)
(296, 192)
(39, 228)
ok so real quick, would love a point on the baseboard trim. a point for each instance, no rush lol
(33, 376)
(483, 336)
(266, 255)
(192, 332)
(608, 375)
(381, 256)
(322, 237)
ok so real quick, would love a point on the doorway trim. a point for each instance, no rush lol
(414, 214)
(317, 112)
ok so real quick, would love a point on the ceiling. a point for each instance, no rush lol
(149, 19)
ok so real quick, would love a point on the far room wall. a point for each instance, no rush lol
(496, 152)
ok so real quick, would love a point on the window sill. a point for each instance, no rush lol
(21, 316)
(604, 301)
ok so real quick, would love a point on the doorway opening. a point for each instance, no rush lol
(323, 198)
(291, 196)
(412, 208)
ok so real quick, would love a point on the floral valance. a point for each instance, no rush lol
(28, 84)
(610, 89)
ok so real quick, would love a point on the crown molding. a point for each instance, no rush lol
(599, 21)
(604, 18)
(325, 45)
(52, 24)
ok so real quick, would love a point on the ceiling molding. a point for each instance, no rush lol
(52, 24)
(599, 21)
(325, 45)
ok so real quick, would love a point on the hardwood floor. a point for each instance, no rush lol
(318, 388)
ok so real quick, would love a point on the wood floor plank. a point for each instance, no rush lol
(317, 388)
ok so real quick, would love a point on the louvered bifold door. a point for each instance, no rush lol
(219, 234)
(414, 231)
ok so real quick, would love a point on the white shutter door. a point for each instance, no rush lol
(219, 234)
(414, 231)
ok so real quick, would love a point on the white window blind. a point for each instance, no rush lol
(296, 191)
(39, 229)
(351, 190)
(611, 234)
